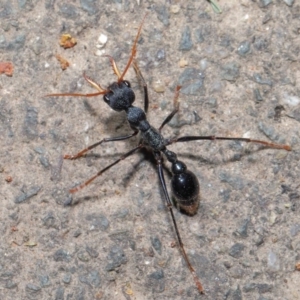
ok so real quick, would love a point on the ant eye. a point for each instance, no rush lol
(127, 83)
(106, 99)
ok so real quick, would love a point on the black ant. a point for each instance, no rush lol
(184, 184)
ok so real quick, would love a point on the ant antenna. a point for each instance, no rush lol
(133, 51)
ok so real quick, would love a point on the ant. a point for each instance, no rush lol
(184, 184)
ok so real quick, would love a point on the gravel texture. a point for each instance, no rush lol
(114, 239)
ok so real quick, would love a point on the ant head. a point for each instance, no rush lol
(119, 96)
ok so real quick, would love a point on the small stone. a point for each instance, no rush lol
(97, 222)
(83, 256)
(264, 3)
(59, 295)
(289, 2)
(91, 278)
(67, 278)
(264, 288)
(183, 63)
(30, 127)
(158, 87)
(156, 281)
(249, 287)
(273, 262)
(44, 280)
(236, 250)
(186, 41)
(257, 95)
(230, 71)
(237, 294)
(25, 195)
(156, 244)
(32, 288)
(244, 48)
(175, 9)
(161, 55)
(102, 40)
(100, 52)
(90, 6)
(258, 78)
(272, 217)
(291, 99)
(62, 255)
(115, 258)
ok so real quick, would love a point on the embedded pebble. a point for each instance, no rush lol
(273, 261)
(100, 52)
(258, 78)
(264, 3)
(28, 194)
(161, 55)
(156, 281)
(163, 14)
(69, 11)
(30, 127)
(32, 288)
(156, 244)
(60, 292)
(230, 71)
(290, 99)
(89, 6)
(257, 95)
(289, 2)
(115, 258)
(91, 278)
(186, 40)
(236, 250)
(175, 9)
(183, 63)
(97, 222)
(102, 40)
(158, 87)
(244, 48)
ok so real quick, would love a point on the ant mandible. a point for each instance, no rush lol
(184, 184)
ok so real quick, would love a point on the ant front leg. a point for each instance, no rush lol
(106, 140)
(158, 158)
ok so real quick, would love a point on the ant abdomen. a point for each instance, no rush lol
(185, 188)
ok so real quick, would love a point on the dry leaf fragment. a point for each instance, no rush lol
(63, 62)
(67, 41)
(8, 179)
(7, 68)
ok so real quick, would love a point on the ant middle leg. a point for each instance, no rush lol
(174, 111)
(129, 153)
(212, 137)
(105, 140)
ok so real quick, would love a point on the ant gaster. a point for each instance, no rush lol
(184, 184)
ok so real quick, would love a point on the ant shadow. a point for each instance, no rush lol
(145, 155)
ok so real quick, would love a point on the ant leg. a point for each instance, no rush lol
(212, 137)
(140, 76)
(169, 205)
(81, 186)
(175, 110)
(106, 140)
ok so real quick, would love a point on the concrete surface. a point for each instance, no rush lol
(239, 72)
